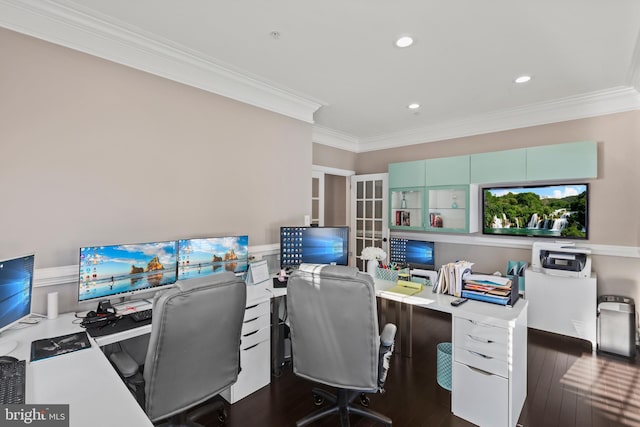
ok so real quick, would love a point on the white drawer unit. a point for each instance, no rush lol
(489, 373)
(255, 352)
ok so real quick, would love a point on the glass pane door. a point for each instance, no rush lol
(369, 226)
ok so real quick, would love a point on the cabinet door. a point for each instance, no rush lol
(405, 208)
(499, 166)
(451, 209)
(406, 174)
(574, 160)
(447, 171)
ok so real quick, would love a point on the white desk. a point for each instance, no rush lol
(489, 373)
(84, 379)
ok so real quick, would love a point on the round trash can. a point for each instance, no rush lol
(444, 365)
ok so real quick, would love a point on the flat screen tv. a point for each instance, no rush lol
(204, 256)
(314, 245)
(122, 270)
(557, 211)
(411, 253)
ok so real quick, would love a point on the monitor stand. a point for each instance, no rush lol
(7, 346)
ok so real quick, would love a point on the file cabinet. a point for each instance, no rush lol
(489, 373)
(255, 351)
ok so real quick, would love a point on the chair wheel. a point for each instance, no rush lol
(222, 415)
(317, 399)
(364, 400)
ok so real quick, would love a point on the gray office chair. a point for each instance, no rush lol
(334, 338)
(194, 347)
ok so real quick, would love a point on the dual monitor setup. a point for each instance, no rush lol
(123, 270)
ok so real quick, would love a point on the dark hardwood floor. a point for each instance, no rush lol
(567, 386)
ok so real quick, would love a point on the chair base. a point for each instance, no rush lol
(191, 418)
(341, 405)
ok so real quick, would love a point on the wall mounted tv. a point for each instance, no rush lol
(557, 211)
(122, 270)
(205, 256)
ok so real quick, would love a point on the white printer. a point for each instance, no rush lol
(561, 259)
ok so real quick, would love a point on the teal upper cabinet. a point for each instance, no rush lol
(447, 171)
(575, 160)
(499, 166)
(406, 174)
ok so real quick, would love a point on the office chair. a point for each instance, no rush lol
(194, 348)
(334, 338)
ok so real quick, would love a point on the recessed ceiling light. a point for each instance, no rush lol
(413, 106)
(522, 79)
(404, 41)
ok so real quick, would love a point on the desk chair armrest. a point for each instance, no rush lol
(387, 338)
(388, 334)
(124, 364)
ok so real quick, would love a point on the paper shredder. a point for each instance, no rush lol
(617, 325)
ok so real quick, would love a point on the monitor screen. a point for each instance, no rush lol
(315, 245)
(16, 286)
(201, 257)
(414, 253)
(121, 270)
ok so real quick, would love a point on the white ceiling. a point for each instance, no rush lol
(335, 63)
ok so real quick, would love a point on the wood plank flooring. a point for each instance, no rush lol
(567, 386)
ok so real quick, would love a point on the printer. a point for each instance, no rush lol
(561, 259)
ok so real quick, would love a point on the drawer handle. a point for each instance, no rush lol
(252, 320)
(484, 356)
(251, 306)
(480, 371)
(479, 339)
(250, 333)
(249, 348)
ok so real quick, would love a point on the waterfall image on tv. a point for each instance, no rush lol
(201, 257)
(558, 211)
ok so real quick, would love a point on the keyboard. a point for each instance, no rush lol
(12, 380)
(139, 316)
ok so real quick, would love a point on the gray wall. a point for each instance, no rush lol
(95, 153)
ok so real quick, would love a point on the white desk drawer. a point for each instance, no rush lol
(255, 323)
(250, 339)
(257, 310)
(480, 398)
(482, 361)
(255, 373)
(484, 339)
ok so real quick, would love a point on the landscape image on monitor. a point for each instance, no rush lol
(201, 257)
(111, 270)
(546, 211)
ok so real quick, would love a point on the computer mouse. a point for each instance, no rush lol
(8, 359)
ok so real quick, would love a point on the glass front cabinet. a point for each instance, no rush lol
(406, 208)
(452, 208)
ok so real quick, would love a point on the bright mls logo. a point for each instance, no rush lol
(34, 415)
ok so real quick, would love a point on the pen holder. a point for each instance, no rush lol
(387, 274)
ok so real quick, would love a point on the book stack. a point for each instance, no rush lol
(451, 276)
(489, 288)
(403, 218)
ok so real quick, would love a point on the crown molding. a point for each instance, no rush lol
(335, 139)
(615, 100)
(102, 37)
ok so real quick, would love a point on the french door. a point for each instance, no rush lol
(369, 223)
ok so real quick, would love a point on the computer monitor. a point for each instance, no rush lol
(412, 253)
(204, 256)
(16, 290)
(315, 245)
(123, 270)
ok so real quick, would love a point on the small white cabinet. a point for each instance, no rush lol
(489, 373)
(563, 305)
(255, 348)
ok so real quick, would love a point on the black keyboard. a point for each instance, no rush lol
(139, 316)
(12, 379)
